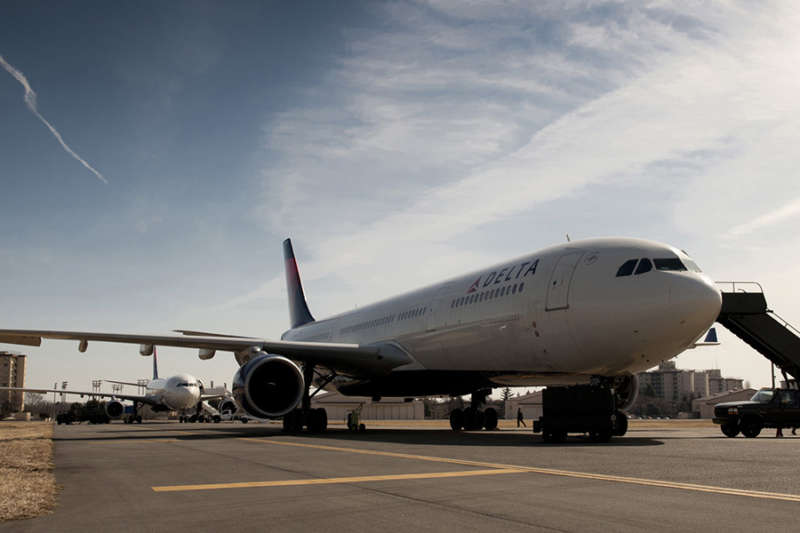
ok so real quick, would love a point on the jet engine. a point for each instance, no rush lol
(626, 389)
(114, 409)
(268, 386)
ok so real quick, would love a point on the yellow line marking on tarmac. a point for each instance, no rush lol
(129, 441)
(549, 471)
(335, 480)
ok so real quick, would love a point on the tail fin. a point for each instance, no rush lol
(155, 363)
(298, 308)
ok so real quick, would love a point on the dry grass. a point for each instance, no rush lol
(27, 482)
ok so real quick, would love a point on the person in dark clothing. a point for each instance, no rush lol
(520, 419)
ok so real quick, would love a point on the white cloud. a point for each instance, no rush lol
(441, 127)
(30, 101)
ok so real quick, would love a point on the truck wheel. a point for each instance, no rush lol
(751, 427)
(730, 430)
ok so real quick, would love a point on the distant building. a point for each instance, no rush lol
(337, 406)
(704, 407)
(717, 384)
(12, 374)
(671, 383)
(531, 405)
(678, 384)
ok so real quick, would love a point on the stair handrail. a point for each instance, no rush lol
(785, 323)
(733, 285)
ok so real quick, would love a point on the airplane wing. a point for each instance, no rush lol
(130, 397)
(372, 359)
(122, 382)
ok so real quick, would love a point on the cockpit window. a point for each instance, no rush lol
(672, 263)
(692, 265)
(187, 384)
(644, 266)
(627, 268)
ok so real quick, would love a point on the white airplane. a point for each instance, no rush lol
(181, 392)
(588, 314)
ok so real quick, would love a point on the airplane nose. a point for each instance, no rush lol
(188, 398)
(697, 300)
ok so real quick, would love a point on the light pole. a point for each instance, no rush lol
(55, 386)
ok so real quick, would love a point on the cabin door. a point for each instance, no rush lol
(558, 288)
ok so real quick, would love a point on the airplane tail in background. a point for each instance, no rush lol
(298, 308)
(155, 363)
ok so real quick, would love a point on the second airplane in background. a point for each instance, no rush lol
(181, 392)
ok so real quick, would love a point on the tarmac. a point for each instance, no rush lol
(396, 477)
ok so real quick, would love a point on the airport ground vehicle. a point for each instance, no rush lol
(93, 412)
(589, 409)
(768, 408)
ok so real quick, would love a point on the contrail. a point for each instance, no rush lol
(30, 101)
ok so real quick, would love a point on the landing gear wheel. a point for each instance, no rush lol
(730, 430)
(362, 428)
(139, 419)
(292, 422)
(193, 419)
(473, 419)
(620, 424)
(490, 419)
(317, 420)
(456, 419)
(217, 419)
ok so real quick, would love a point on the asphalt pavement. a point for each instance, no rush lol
(169, 476)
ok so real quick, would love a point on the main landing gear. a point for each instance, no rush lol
(135, 417)
(315, 420)
(473, 418)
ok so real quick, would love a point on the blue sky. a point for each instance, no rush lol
(396, 143)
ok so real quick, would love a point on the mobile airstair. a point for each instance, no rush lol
(745, 313)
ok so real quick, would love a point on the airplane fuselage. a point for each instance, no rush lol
(558, 316)
(177, 393)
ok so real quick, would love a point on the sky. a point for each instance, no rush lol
(154, 155)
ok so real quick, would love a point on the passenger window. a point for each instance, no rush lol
(514, 289)
(644, 266)
(521, 285)
(627, 268)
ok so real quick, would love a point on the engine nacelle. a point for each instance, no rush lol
(114, 409)
(626, 389)
(268, 386)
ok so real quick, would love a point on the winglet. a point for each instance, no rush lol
(710, 339)
(298, 308)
